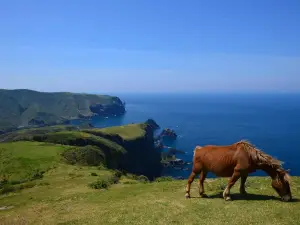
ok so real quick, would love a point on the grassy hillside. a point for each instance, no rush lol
(20, 159)
(37, 186)
(66, 199)
(24, 107)
(128, 147)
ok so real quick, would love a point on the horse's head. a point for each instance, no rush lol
(281, 184)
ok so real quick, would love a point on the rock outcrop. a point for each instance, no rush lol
(169, 133)
(152, 124)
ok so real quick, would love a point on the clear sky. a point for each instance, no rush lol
(150, 45)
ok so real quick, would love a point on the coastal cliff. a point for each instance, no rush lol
(142, 158)
(129, 148)
(22, 107)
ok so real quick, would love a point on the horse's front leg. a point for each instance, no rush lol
(242, 186)
(188, 186)
(203, 175)
(236, 175)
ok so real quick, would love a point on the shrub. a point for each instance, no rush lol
(36, 174)
(162, 179)
(140, 178)
(131, 176)
(100, 184)
(104, 182)
(94, 174)
(130, 182)
(6, 188)
(143, 179)
(118, 173)
(87, 156)
(14, 182)
(113, 179)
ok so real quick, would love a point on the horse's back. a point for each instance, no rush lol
(217, 149)
(220, 160)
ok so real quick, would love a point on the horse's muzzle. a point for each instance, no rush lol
(286, 198)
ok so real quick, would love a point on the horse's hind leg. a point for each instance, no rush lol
(188, 186)
(242, 186)
(203, 175)
(236, 175)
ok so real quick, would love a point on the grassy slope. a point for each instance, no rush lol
(20, 106)
(127, 132)
(110, 141)
(68, 200)
(62, 196)
(65, 137)
(20, 158)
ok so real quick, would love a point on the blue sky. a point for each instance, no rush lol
(150, 45)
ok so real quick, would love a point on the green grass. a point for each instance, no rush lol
(112, 152)
(67, 199)
(20, 159)
(136, 155)
(73, 194)
(46, 129)
(72, 137)
(76, 194)
(127, 132)
(27, 133)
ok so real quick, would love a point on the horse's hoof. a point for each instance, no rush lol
(204, 196)
(228, 198)
(187, 196)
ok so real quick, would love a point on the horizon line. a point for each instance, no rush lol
(159, 92)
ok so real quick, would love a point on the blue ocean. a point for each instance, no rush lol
(269, 121)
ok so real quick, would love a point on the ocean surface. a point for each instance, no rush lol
(269, 121)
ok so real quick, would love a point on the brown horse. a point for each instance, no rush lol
(237, 161)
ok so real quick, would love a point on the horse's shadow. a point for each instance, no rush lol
(249, 196)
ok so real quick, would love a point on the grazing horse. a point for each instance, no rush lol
(237, 161)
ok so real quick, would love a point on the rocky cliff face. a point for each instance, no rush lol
(116, 108)
(142, 158)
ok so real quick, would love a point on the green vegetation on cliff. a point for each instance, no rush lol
(129, 148)
(127, 132)
(26, 107)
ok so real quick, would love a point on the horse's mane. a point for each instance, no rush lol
(260, 157)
